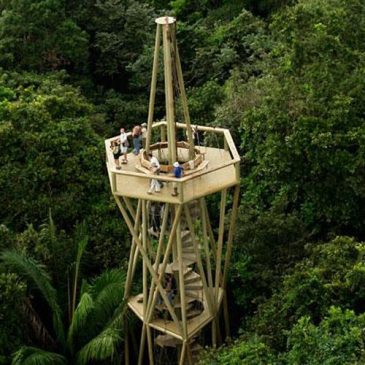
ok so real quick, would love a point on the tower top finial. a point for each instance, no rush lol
(165, 20)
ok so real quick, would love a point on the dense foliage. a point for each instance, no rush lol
(286, 77)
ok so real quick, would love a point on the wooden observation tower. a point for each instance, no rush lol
(182, 250)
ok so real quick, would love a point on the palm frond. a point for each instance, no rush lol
(34, 356)
(36, 274)
(102, 347)
(81, 246)
(107, 291)
(80, 319)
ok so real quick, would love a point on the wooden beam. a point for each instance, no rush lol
(150, 345)
(220, 242)
(144, 266)
(157, 260)
(182, 353)
(232, 226)
(153, 88)
(181, 280)
(148, 262)
(205, 242)
(184, 100)
(132, 253)
(164, 263)
(207, 291)
(170, 109)
(126, 341)
(228, 255)
(142, 344)
(129, 205)
(210, 232)
(230, 142)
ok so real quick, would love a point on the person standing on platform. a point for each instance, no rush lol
(137, 139)
(144, 134)
(124, 144)
(115, 147)
(155, 169)
(178, 173)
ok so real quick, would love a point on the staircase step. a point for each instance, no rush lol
(189, 256)
(188, 250)
(187, 241)
(169, 269)
(193, 313)
(195, 347)
(185, 233)
(189, 262)
(188, 300)
(194, 286)
(167, 341)
(197, 294)
(191, 277)
(186, 263)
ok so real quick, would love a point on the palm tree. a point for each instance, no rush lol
(95, 330)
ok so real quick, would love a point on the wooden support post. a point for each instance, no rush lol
(220, 243)
(157, 260)
(182, 353)
(163, 269)
(188, 353)
(153, 88)
(150, 345)
(210, 231)
(129, 277)
(231, 232)
(148, 262)
(207, 291)
(142, 344)
(170, 109)
(226, 316)
(144, 266)
(144, 283)
(184, 100)
(214, 334)
(162, 235)
(163, 133)
(205, 240)
(129, 205)
(126, 342)
(181, 282)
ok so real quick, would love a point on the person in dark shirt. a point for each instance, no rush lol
(178, 173)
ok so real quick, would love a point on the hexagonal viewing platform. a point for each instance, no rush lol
(219, 169)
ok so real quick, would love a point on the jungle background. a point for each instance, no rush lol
(285, 76)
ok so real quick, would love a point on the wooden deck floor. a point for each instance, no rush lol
(131, 182)
(194, 325)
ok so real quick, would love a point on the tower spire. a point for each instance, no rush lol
(172, 67)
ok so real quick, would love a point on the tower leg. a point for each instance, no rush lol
(126, 343)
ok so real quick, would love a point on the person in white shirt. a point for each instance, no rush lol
(155, 169)
(124, 144)
(144, 134)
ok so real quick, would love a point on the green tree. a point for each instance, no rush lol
(38, 35)
(51, 157)
(337, 340)
(12, 303)
(303, 136)
(333, 274)
(241, 352)
(121, 29)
